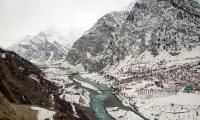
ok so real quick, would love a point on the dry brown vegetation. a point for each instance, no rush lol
(19, 91)
(9, 111)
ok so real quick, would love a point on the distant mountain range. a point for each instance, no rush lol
(43, 47)
(153, 34)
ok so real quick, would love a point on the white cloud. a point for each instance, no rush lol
(21, 17)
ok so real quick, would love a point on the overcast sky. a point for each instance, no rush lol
(19, 18)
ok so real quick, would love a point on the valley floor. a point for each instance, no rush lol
(78, 92)
(152, 104)
(148, 99)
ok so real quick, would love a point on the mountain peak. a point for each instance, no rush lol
(152, 28)
(43, 47)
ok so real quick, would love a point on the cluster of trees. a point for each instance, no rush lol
(160, 93)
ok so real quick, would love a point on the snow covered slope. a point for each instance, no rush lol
(154, 32)
(43, 47)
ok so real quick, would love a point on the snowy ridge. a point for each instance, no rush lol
(42, 47)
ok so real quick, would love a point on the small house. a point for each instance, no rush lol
(188, 89)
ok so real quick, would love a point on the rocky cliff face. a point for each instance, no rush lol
(23, 84)
(43, 47)
(154, 32)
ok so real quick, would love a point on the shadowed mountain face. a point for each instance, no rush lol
(151, 29)
(22, 82)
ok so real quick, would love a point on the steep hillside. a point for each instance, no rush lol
(9, 111)
(155, 33)
(22, 82)
(23, 85)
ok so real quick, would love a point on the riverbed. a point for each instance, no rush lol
(103, 99)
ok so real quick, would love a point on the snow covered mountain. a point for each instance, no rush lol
(43, 47)
(155, 33)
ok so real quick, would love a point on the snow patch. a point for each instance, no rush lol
(87, 85)
(51, 56)
(43, 113)
(3, 55)
(34, 77)
(181, 99)
(120, 114)
(74, 110)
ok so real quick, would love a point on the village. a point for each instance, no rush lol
(162, 94)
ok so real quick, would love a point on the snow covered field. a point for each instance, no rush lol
(168, 103)
(76, 95)
(87, 85)
(58, 73)
(100, 79)
(43, 114)
(154, 102)
(182, 106)
(120, 114)
(181, 99)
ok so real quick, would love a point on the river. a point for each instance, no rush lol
(99, 102)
